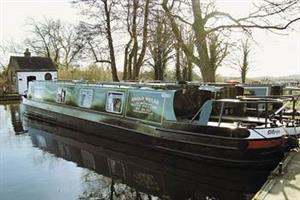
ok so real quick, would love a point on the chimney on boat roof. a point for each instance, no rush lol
(27, 53)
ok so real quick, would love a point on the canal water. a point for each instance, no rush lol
(39, 160)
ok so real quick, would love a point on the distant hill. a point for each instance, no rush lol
(290, 77)
(270, 78)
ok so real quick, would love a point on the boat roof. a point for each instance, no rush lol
(259, 85)
(137, 85)
(249, 100)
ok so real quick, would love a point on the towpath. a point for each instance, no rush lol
(283, 185)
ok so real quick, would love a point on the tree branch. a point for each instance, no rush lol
(257, 26)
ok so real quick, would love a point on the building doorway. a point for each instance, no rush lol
(30, 78)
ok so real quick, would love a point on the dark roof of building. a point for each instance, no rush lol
(34, 63)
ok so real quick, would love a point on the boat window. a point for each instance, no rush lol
(61, 95)
(276, 90)
(256, 91)
(85, 98)
(114, 102)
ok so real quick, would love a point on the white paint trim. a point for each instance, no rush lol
(295, 130)
(267, 133)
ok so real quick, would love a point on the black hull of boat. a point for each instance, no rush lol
(178, 144)
(177, 177)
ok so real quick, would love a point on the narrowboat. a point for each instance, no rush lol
(262, 89)
(220, 91)
(177, 119)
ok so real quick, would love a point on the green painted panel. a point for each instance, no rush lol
(43, 92)
(145, 105)
(99, 99)
(169, 113)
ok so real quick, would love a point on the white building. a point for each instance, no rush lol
(22, 70)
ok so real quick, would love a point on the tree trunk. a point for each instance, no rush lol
(110, 43)
(189, 71)
(245, 63)
(129, 68)
(125, 67)
(208, 75)
(201, 43)
(184, 73)
(126, 59)
(162, 72)
(144, 44)
(134, 50)
(177, 64)
(243, 76)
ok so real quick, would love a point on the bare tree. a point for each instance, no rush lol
(244, 64)
(7, 48)
(160, 45)
(187, 70)
(3, 70)
(127, 65)
(209, 24)
(3, 54)
(183, 65)
(107, 9)
(102, 15)
(137, 27)
(96, 48)
(177, 62)
(55, 40)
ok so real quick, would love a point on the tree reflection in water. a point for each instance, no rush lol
(99, 187)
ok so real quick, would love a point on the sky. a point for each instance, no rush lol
(273, 55)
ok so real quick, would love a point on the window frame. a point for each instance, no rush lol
(80, 97)
(122, 101)
(63, 90)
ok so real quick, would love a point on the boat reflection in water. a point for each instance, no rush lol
(16, 118)
(132, 172)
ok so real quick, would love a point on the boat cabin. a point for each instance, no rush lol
(223, 91)
(262, 89)
(144, 102)
(148, 103)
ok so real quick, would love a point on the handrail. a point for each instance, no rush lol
(223, 101)
(267, 96)
(238, 101)
(266, 101)
(197, 113)
(292, 98)
(153, 85)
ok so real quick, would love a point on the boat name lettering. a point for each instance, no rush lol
(273, 132)
(144, 104)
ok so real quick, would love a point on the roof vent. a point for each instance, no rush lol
(27, 53)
